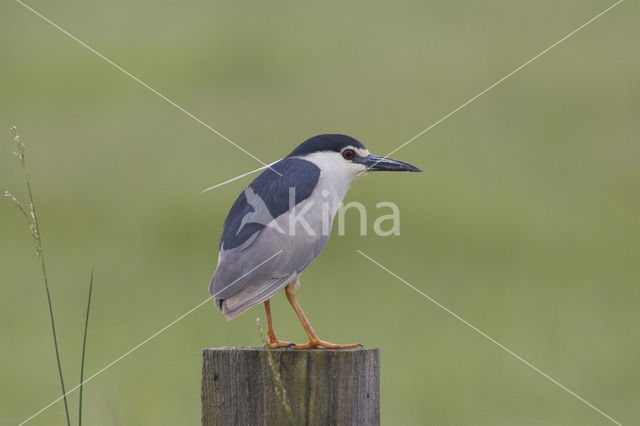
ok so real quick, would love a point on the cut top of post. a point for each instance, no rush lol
(253, 385)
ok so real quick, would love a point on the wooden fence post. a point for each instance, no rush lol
(243, 386)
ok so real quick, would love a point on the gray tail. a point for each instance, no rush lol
(252, 295)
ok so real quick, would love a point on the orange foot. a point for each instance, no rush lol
(275, 344)
(326, 345)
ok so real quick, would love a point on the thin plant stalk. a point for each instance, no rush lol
(84, 345)
(279, 386)
(32, 217)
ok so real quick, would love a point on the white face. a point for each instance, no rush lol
(339, 163)
(338, 167)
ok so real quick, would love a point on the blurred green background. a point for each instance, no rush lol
(525, 221)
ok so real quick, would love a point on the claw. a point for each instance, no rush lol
(325, 345)
(280, 344)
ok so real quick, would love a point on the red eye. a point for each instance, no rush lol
(348, 154)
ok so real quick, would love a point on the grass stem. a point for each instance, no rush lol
(279, 386)
(32, 217)
(84, 345)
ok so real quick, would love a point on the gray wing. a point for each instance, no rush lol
(258, 256)
(250, 275)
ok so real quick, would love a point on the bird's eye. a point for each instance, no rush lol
(348, 154)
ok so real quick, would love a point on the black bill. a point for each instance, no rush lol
(373, 163)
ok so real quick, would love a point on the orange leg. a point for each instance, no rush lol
(314, 341)
(273, 340)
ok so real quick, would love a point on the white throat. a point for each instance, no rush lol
(335, 173)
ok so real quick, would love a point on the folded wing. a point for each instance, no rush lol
(255, 229)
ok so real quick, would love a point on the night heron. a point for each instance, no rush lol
(281, 222)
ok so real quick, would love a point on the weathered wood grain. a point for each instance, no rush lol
(324, 387)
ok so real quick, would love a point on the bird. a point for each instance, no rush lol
(281, 222)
